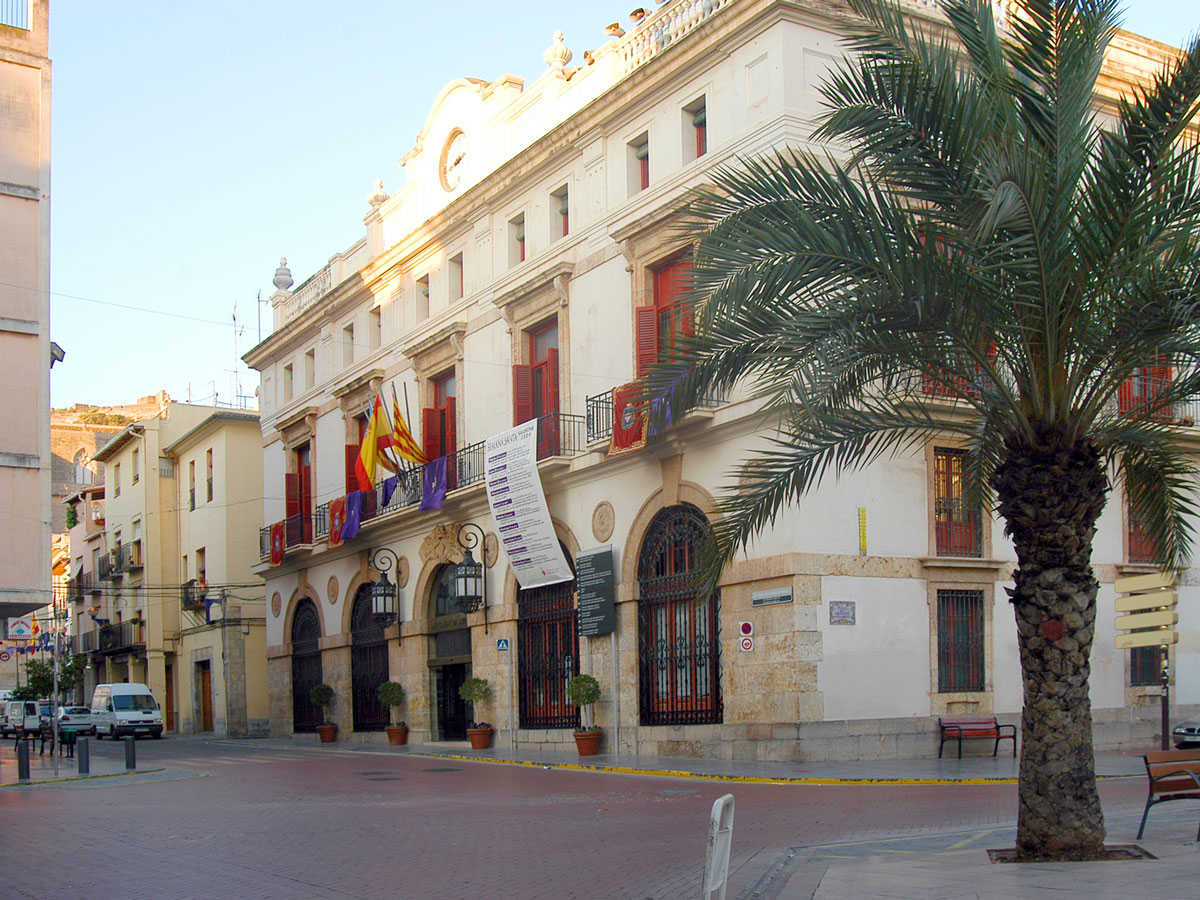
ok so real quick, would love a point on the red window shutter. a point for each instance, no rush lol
(671, 282)
(522, 393)
(551, 393)
(351, 466)
(431, 433)
(646, 345)
(291, 495)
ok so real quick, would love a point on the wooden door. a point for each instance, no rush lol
(204, 670)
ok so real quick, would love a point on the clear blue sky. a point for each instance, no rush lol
(195, 144)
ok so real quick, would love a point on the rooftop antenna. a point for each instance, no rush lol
(237, 332)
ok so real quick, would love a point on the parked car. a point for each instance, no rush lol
(125, 708)
(1187, 732)
(76, 719)
(22, 717)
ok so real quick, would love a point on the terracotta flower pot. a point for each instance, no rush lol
(397, 734)
(480, 738)
(588, 742)
(328, 733)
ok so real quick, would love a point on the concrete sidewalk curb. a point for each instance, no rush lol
(69, 778)
(703, 776)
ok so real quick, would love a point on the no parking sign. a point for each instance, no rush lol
(5, 656)
(746, 642)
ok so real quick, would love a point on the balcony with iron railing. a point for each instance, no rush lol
(119, 637)
(958, 528)
(599, 409)
(105, 569)
(84, 643)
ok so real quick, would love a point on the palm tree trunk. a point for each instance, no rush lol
(1051, 491)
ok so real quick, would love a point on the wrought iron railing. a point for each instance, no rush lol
(121, 636)
(298, 530)
(958, 528)
(191, 596)
(599, 409)
(264, 542)
(104, 567)
(83, 643)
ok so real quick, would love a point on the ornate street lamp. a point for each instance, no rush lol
(384, 593)
(470, 577)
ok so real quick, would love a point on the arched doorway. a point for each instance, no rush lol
(449, 655)
(306, 666)
(368, 663)
(547, 654)
(679, 676)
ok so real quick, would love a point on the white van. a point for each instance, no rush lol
(125, 708)
(22, 717)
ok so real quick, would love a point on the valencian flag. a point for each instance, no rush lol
(337, 519)
(629, 421)
(368, 451)
(278, 543)
(401, 439)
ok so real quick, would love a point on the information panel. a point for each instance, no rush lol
(519, 509)
(595, 584)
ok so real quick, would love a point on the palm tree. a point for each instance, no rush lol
(974, 223)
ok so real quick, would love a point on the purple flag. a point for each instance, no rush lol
(353, 515)
(433, 484)
(389, 488)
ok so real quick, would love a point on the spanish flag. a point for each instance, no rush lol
(368, 451)
(402, 440)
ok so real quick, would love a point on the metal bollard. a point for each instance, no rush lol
(130, 754)
(22, 759)
(81, 754)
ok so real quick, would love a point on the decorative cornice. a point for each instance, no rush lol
(424, 343)
(556, 275)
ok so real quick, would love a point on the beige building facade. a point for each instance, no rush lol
(529, 269)
(172, 598)
(25, 345)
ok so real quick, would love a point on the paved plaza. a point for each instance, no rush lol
(290, 818)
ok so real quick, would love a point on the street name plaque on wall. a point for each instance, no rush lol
(597, 595)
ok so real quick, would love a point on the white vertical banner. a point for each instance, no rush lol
(519, 508)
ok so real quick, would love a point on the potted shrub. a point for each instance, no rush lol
(391, 695)
(477, 691)
(322, 695)
(583, 691)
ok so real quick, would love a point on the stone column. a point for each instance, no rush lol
(335, 667)
(279, 689)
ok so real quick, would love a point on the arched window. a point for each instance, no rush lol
(368, 663)
(83, 474)
(547, 654)
(679, 676)
(442, 596)
(306, 666)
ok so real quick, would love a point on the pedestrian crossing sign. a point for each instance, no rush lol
(502, 645)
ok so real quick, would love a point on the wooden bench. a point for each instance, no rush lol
(974, 728)
(1173, 775)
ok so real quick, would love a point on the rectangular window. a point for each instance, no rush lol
(960, 641)
(348, 345)
(659, 326)
(535, 387)
(958, 527)
(1145, 665)
(116, 479)
(455, 276)
(201, 568)
(1140, 549)
(560, 213)
(422, 299)
(183, 569)
(191, 484)
(439, 422)
(637, 153)
(208, 467)
(133, 465)
(375, 333)
(287, 382)
(310, 369)
(516, 239)
(695, 130)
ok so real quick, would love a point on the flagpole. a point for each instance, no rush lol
(407, 414)
(391, 432)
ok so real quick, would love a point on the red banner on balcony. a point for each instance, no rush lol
(629, 422)
(278, 542)
(337, 518)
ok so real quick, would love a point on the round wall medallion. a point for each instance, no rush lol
(491, 549)
(276, 604)
(402, 572)
(331, 589)
(603, 519)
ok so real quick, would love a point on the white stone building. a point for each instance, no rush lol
(523, 271)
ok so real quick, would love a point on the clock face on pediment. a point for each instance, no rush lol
(453, 154)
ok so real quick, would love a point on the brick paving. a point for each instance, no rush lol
(256, 820)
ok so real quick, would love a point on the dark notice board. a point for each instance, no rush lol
(596, 590)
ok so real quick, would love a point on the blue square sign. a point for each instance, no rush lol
(502, 645)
